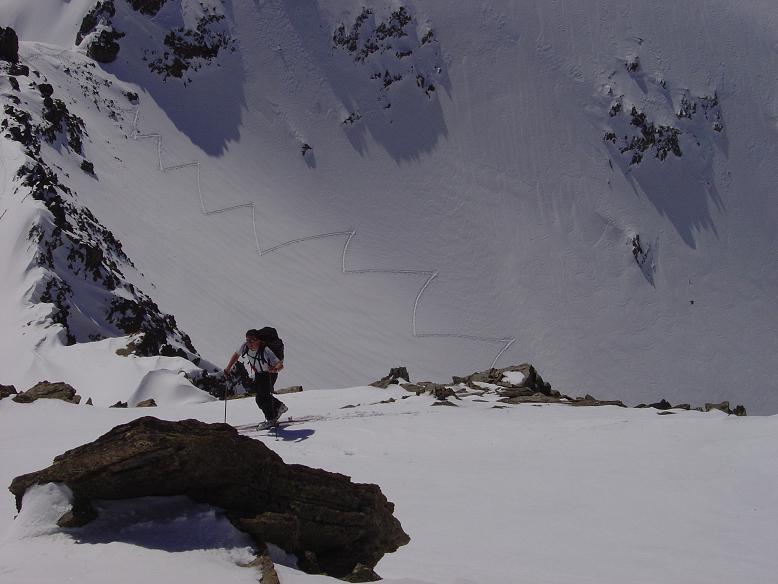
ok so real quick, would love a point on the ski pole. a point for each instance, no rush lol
(225, 399)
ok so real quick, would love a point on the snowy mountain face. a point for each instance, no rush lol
(586, 187)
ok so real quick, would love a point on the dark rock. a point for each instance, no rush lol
(104, 47)
(79, 515)
(362, 573)
(119, 404)
(7, 391)
(292, 389)
(740, 410)
(723, 406)
(662, 404)
(87, 167)
(682, 407)
(89, 402)
(323, 518)
(444, 402)
(131, 96)
(101, 13)
(45, 89)
(267, 569)
(396, 375)
(9, 45)
(148, 7)
(440, 392)
(536, 398)
(14, 83)
(146, 403)
(18, 69)
(591, 401)
(46, 390)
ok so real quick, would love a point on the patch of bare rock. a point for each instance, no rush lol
(332, 525)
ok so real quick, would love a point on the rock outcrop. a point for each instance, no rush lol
(396, 376)
(331, 524)
(7, 391)
(9, 45)
(46, 390)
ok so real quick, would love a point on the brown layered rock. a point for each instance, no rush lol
(46, 390)
(396, 376)
(328, 522)
(7, 391)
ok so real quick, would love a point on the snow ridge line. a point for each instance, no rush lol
(430, 275)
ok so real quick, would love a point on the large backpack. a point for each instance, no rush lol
(269, 336)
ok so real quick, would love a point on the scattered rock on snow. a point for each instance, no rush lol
(46, 390)
(292, 389)
(330, 523)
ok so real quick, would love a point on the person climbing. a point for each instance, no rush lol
(263, 367)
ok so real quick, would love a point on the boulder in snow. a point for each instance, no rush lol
(46, 390)
(330, 523)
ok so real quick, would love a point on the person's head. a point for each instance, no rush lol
(252, 339)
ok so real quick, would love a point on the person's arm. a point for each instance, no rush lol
(275, 364)
(232, 361)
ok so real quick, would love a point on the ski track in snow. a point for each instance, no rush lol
(251, 428)
(428, 275)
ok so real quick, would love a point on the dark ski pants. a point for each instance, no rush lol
(263, 385)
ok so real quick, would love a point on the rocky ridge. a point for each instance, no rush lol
(519, 384)
(75, 250)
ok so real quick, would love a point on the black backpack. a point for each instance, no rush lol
(269, 336)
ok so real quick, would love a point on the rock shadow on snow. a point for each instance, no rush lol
(403, 115)
(678, 190)
(171, 524)
(206, 103)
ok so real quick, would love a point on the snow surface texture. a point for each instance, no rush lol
(486, 210)
(521, 494)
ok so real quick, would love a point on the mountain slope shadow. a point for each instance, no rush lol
(385, 95)
(205, 104)
(679, 192)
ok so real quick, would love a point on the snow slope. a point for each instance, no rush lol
(521, 494)
(498, 183)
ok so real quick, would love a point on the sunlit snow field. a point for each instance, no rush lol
(521, 494)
